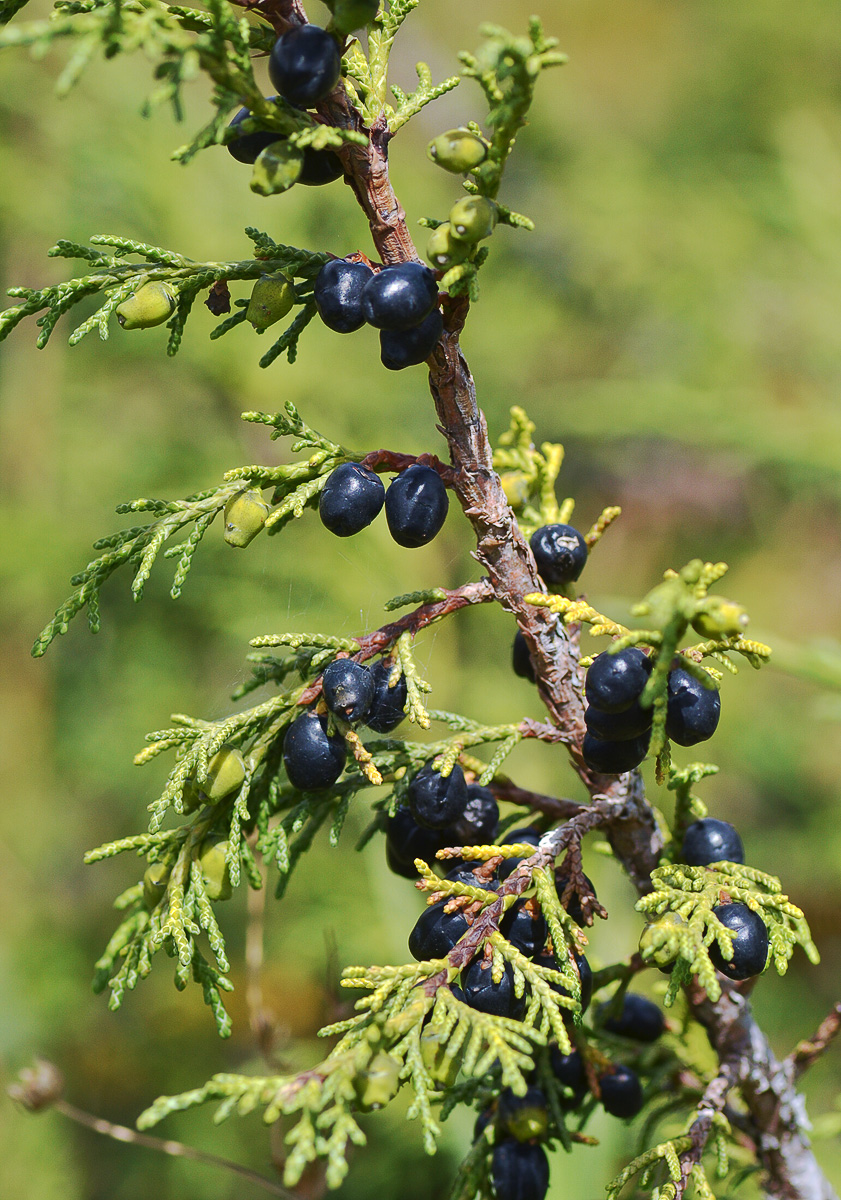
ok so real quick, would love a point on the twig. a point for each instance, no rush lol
(259, 1018)
(810, 1049)
(121, 1133)
(712, 1102)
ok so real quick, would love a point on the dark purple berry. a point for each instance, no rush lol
(480, 818)
(521, 659)
(313, 760)
(401, 348)
(482, 993)
(320, 167)
(305, 65)
(523, 930)
(614, 681)
(463, 873)
(640, 1018)
(614, 758)
(249, 146)
(618, 727)
(560, 553)
(387, 709)
(338, 294)
(523, 1117)
(693, 709)
(350, 499)
(348, 689)
(400, 296)
(710, 841)
(750, 942)
(435, 800)
(519, 1170)
(569, 1071)
(405, 841)
(416, 506)
(436, 932)
(621, 1092)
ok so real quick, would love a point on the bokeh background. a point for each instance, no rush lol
(674, 320)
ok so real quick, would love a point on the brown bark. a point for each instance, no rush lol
(768, 1087)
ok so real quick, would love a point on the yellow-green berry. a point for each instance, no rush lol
(245, 516)
(150, 305)
(379, 1082)
(271, 299)
(457, 150)
(214, 869)
(155, 881)
(473, 218)
(225, 774)
(443, 250)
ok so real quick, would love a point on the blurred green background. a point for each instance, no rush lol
(674, 320)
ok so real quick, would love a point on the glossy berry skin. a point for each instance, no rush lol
(614, 681)
(436, 932)
(750, 942)
(352, 14)
(568, 1069)
(436, 801)
(621, 1092)
(350, 499)
(416, 505)
(523, 1117)
(560, 553)
(248, 147)
(313, 760)
(338, 294)
(400, 296)
(320, 167)
(482, 993)
(521, 659)
(305, 65)
(618, 727)
(457, 150)
(710, 841)
(463, 873)
(614, 758)
(519, 1170)
(401, 348)
(693, 710)
(405, 841)
(386, 710)
(473, 218)
(523, 930)
(348, 689)
(476, 825)
(640, 1019)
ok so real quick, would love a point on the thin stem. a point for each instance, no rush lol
(121, 1133)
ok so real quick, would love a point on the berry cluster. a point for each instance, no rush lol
(416, 503)
(519, 1166)
(619, 727)
(401, 301)
(354, 694)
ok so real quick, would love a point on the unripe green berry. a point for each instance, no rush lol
(379, 1082)
(214, 869)
(225, 774)
(473, 218)
(271, 299)
(657, 939)
(245, 516)
(720, 618)
(516, 487)
(457, 150)
(443, 250)
(155, 881)
(150, 305)
(277, 169)
(352, 14)
(443, 1069)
